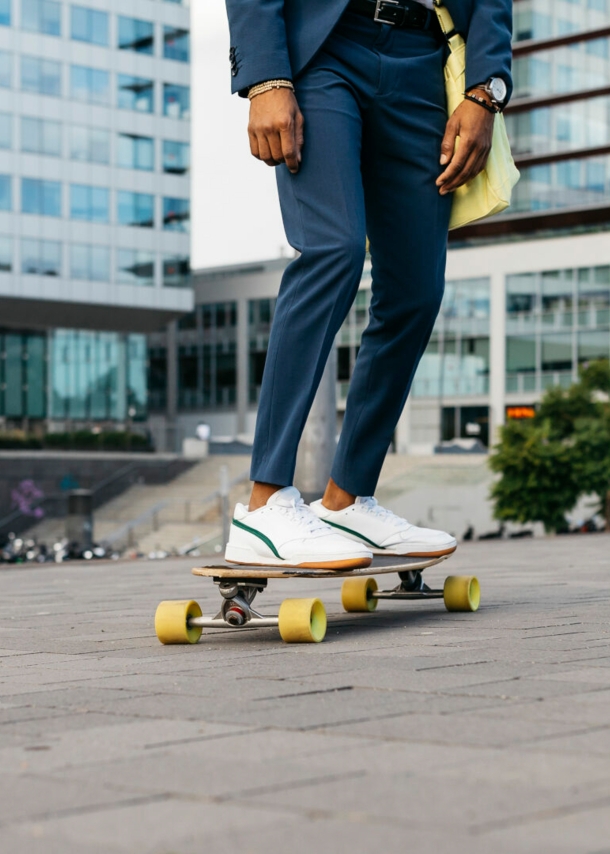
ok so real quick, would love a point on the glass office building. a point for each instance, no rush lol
(94, 202)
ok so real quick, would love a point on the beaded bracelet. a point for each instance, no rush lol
(482, 103)
(267, 86)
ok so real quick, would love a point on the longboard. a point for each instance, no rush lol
(304, 620)
(380, 564)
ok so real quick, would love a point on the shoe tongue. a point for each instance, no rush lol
(367, 500)
(285, 497)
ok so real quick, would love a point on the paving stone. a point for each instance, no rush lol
(409, 728)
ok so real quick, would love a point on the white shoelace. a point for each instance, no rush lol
(306, 518)
(370, 505)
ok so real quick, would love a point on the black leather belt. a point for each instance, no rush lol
(405, 14)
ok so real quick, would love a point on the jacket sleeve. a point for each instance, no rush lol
(259, 48)
(488, 48)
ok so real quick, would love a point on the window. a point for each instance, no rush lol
(6, 64)
(91, 263)
(89, 25)
(135, 93)
(176, 44)
(5, 193)
(176, 214)
(40, 75)
(5, 12)
(176, 271)
(6, 130)
(176, 101)
(6, 254)
(176, 157)
(135, 209)
(135, 267)
(136, 35)
(40, 136)
(41, 257)
(91, 145)
(41, 16)
(136, 152)
(40, 197)
(91, 85)
(89, 203)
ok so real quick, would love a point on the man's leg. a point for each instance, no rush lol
(323, 212)
(407, 223)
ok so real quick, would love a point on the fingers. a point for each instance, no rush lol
(467, 162)
(448, 143)
(276, 129)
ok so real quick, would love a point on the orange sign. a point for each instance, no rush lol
(520, 412)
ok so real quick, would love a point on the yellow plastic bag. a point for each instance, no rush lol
(490, 192)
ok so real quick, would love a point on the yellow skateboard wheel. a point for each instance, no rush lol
(356, 594)
(462, 593)
(171, 621)
(302, 621)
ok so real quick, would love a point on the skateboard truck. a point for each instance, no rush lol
(411, 586)
(236, 609)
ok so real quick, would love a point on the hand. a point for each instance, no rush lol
(276, 128)
(474, 125)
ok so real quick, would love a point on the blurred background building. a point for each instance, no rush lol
(94, 203)
(528, 292)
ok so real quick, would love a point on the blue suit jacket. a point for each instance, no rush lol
(273, 39)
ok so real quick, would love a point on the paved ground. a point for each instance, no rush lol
(410, 730)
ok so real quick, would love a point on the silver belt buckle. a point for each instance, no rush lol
(381, 4)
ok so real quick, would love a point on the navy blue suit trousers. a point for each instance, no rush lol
(373, 100)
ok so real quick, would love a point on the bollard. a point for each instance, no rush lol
(79, 521)
(318, 442)
(224, 504)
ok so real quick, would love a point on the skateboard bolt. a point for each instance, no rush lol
(235, 616)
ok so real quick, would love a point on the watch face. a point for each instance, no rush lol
(498, 89)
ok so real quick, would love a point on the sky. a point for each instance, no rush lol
(234, 208)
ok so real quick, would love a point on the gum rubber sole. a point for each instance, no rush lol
(352, 563)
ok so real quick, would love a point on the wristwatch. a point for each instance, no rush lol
(497, 90)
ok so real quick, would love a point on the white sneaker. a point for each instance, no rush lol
(383, 532)
(284, 532)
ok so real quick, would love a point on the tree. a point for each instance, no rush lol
(547, 463)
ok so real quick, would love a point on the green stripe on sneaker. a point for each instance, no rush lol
(258, 534)
(355, 533)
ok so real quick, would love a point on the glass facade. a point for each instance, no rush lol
(176, 44)
(76, 374)
(96, 375)
(89, 203)
(561, 105)
(41, 75)
(176, 101)
(6, 65)
(41, 16)
(136, 209)
(91, 263)
(176, 214)
(40, 257)
(135, 35)
(40, 136)
(40, 197)
(89, 144)
(556, 320)
(136, 152)
(135, 267)
(89, 25)
(6, 130)
(91, 85)
(135, 93)
(176, 157)
(5, 193)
